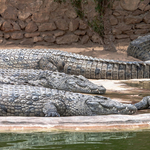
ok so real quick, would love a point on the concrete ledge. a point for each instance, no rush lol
(103, 123)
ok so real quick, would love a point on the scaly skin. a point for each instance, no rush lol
(54, 80)
(71, 63)
(23, 100)
(140, 48)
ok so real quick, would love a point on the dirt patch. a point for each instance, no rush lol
(95, 50)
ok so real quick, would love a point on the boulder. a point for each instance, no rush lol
(130, 5)
(67, 39)
(73, 25)
(62, 24)
(31, 27)
(113, 20)
(133, 19)
(10, 13)
(17, 36)
(146, 18)
(47, 26)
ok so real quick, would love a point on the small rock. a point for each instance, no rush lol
(6, 35)
(62, 24)
(141, 31)
(1, 34)
(23, 15)
(147, 18)
(142, 26)
(73, 25)
(122, 36)
(10, 13)
(31, 27)
(130, 5)
(16, 27)
(80, 32)
(17, 36)
(67, 39)
(71, 13)
(29, 35)
(40, 17)
(82, 25)
(58, 33)
(137, 12)
(7, 27)
(133, 19)
(147, 8)
(1, 40)
(143, 4)
(84, 39)
(96, 38)
(37, 39)
(113, 20)
(27, 41)
(133, 36)
(49, 39)
(22, 24)
(47, 27)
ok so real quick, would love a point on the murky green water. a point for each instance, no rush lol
(76, 141)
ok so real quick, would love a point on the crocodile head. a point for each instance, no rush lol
(82, 85)
(100, 105)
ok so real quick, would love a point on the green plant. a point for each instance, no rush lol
(97, 23)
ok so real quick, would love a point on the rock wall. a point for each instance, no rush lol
(129, 19)
(44, 22)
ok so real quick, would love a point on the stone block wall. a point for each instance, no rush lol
(129, 19)
(44, 22)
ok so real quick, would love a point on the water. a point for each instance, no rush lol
(76, 141)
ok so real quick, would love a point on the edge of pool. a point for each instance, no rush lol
(105, 123)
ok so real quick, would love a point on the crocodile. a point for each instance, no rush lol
(24, 100)
(140, 48)
(50, 79)
(71, 63)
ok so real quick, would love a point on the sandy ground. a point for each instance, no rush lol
(89, 50)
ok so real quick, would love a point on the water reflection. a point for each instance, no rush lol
(66, 140)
